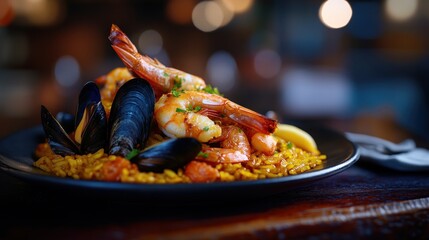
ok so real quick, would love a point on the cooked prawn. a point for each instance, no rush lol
(179, 115)
(162, 78)
(234, 147)
(201, 172)
(265, 143)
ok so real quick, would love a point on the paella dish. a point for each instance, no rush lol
(148, 123)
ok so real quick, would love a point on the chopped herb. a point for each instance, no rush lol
(212, 90)
(193, 109)
(166, 74)
(205, 129)
(197, 108)
(177, 82)
(289, 145)
(180, 110)
(132, 154)
(203, 155)
(177, 85)
(175, 93)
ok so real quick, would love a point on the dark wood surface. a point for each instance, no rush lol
(364, 202)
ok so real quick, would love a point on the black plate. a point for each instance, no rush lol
(16, 159)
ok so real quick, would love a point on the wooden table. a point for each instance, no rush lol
(365, 201)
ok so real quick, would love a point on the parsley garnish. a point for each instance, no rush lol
(132, 154)
(166, 75)
(177, 82)
(212, 90)
(203, 155)
(180, 110)
(289, 145)
(205, 129)
(197, 108)
(177, 85)
(175, 93)
(193, 109)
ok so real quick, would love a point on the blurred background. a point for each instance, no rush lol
(312, 61)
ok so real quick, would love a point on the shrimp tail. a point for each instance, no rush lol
(119, 40)
(136, 63)
(250, 119)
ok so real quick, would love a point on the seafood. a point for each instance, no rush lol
(130, 117)
(109, 85)
(194, 134)
(234, 147)
(58, 139)
(171, 119)
(128, 126)
(163, 79)
(201, 172)
(178, 116)
(170, 154)
(91, 131)
(184, 115)
(260, 142)
(66, 120)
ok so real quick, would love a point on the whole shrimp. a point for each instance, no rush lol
(177, 116)
(234, 147)
(187, 115)
(162, 78)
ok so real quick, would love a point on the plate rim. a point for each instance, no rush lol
(309, 176)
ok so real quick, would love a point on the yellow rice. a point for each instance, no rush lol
(288, 160)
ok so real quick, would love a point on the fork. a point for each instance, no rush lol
(403, 156)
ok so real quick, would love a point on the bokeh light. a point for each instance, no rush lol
(267, 63)
(207, 16)
(67, 71)
(222, 71)
(150, 42)
(6, 12)
(401, 10)
(180, 11)
(238, 6)
(227, 12)
(39, 12)
(335, 13)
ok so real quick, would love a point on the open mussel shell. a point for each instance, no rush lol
(58, 139)
(89, 95)
(171, 154)
(66, 120)
(94, 127)
(94, 136)
(131, 116)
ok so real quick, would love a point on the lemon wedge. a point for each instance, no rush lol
(297, 136)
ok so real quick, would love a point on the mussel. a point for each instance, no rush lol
(126, 129)
(131, 116)
(170, 154)
(91, 125)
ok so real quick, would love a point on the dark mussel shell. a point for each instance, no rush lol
(57, 137)
(171, 154)
(95, 133)
(89, 95)
(66, 120)
(131, 116)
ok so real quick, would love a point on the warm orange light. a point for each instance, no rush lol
(39, 12)
(207, 16)
(6, 13)
(180, 11)
(238, 6)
